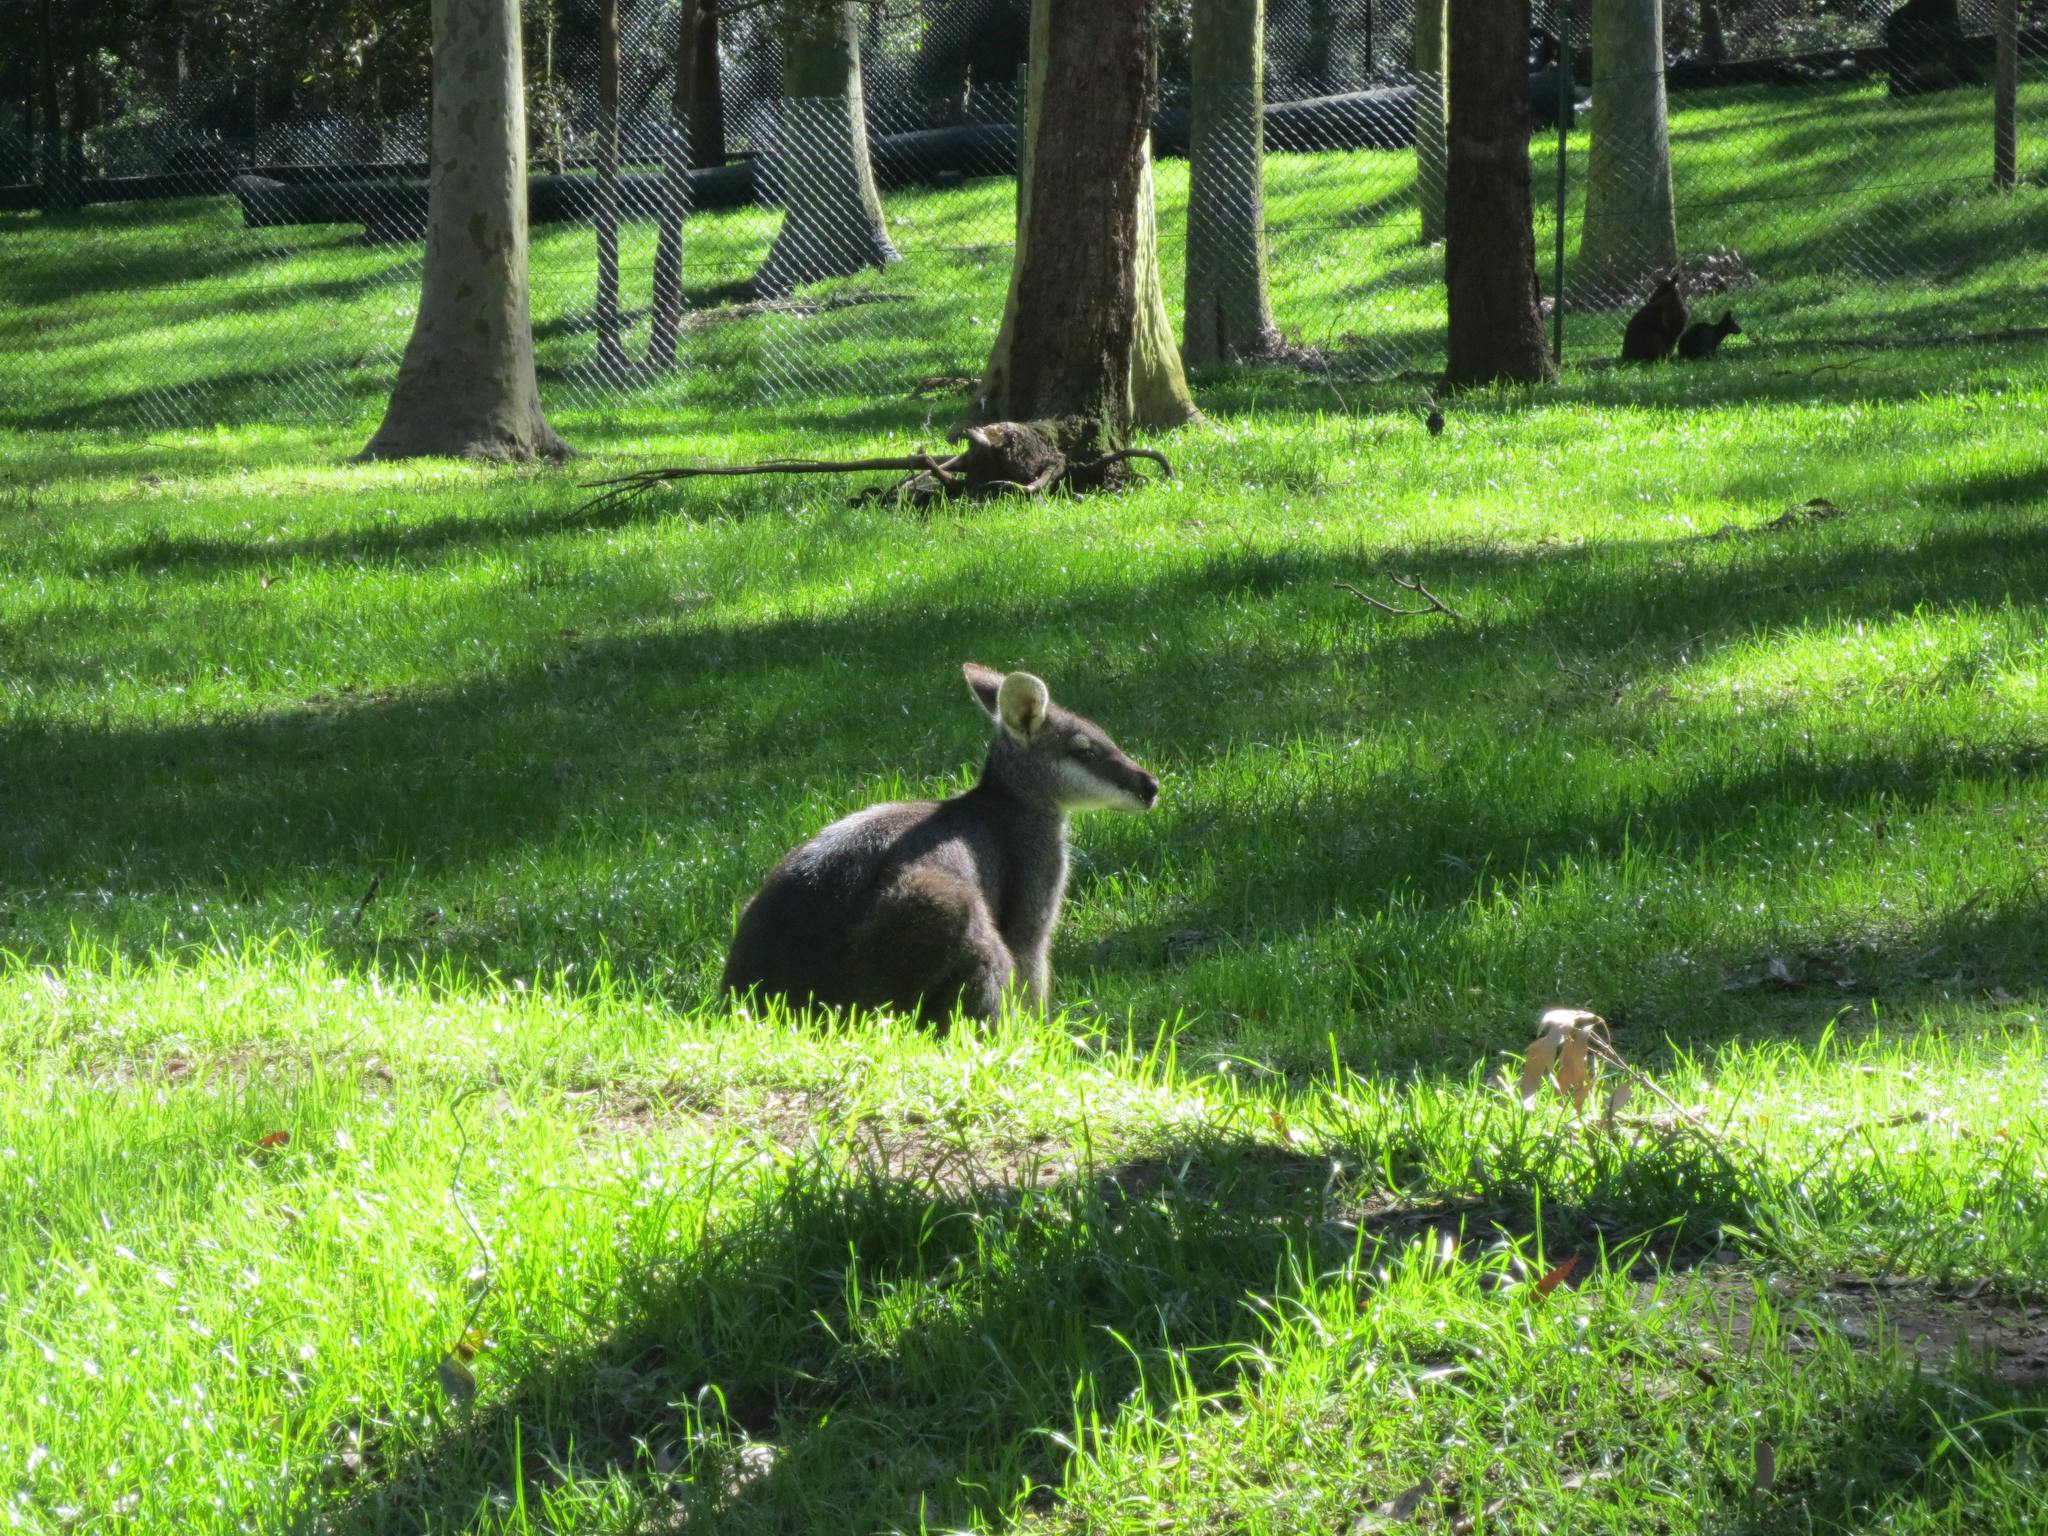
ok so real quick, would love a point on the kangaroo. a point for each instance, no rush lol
(1654, 329)
(926, 905)
(1703, 339)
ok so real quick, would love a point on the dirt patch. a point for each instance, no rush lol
(912, 1148)
(2006, 1339)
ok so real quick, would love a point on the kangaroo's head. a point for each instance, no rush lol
(1726, 324)
(1049, 755)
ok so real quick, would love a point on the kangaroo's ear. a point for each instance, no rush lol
(1021, 705)
(985, 683)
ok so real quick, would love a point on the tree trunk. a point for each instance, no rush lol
(1490, 242)
(1229, 312)
(610, 360)
(1432, 151)
(466, 385)
(82, 117)
(1630, 227)
(820, 170)
(1082, 329)
(700, 83)
(1712, 44)
(58, 192)
(2005, 85)
(696, 137)
(1315, 54)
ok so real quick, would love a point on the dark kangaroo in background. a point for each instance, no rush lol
(1703, 338)
(1655, 329)
(924, 906)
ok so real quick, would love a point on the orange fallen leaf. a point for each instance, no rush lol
(1557, 1276)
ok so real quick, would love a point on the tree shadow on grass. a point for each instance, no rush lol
(683, 734)
(908, 1351)
(865, 1350)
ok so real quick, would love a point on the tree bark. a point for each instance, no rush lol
(1084, 330)
(2005, 86)
(820, 169)
(1496, 325)
(466, 385)
(1432, 149)
(1315, 56)
(610, 360)
(1229, 310)
(1630, 227)
(58, 191)
(696, 137)
(700, 84)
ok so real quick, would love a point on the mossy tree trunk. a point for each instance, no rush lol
(1085, 332)
(1432, 147)
(1229, 310)
(1631, 223)
(820, 170)
(1490, 242)
(466, 384)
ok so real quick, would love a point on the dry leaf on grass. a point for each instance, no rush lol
(1564, 1051)
(1467, 1523)
(458, 1381)
(1765, 1477)
(1399, 1508)
(1557, 1276)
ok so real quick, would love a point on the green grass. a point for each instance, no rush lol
(370, 835)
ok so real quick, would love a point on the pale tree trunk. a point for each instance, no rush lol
(1084, 332)
(820, 171)
(1432, 149)
(1229, 312)
(696, 137)
(466, 386)
(610, 360)
(1630, 227)
(1490, 242)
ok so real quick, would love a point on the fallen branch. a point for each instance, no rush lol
(625, 487)
(999, 458)
(1434, 604)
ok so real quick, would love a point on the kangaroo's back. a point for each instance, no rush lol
(928, 905)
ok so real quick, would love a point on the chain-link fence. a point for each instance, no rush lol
(1828, 171)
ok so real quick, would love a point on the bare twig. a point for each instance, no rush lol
(1602, 1050)
(1123, 454)
(376, 884)
(1807, 373)
(1434, 604)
